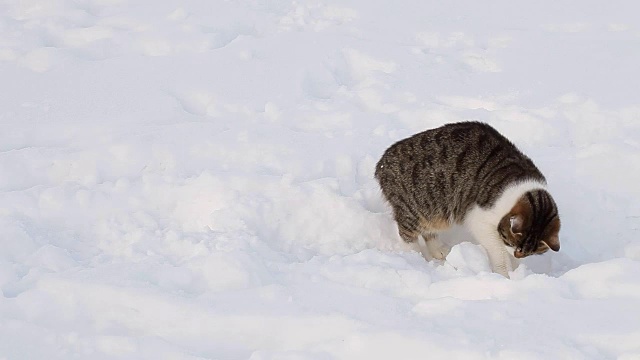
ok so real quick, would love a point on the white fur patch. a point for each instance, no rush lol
(483, 223)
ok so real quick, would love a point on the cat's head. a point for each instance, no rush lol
(532, 226)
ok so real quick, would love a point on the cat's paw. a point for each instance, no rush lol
(437, 250)
(503, 273)
(502, 269)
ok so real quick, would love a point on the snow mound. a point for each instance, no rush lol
(469, 258)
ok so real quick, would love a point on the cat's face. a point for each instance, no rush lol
(530, 229)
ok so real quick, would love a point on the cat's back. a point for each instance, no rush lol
(470, 136)
(451, 144)
(470, 158)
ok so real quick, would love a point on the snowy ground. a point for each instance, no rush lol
(193, 180)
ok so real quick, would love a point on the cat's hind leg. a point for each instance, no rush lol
(411, 226)
(408, 229)
(429, 231)
(408, 224)
(435, 247)
(412, 237)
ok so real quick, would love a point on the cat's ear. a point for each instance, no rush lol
(517, 222)
(553, 243)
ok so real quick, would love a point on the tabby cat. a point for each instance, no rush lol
(468, 173)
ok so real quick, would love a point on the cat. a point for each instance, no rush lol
(469, 174)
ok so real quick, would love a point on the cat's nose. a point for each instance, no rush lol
(519, 254)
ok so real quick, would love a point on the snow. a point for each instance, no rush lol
(194, 179)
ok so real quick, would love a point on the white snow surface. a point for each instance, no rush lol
(194, 179)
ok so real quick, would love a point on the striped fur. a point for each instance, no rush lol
(468, 173)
